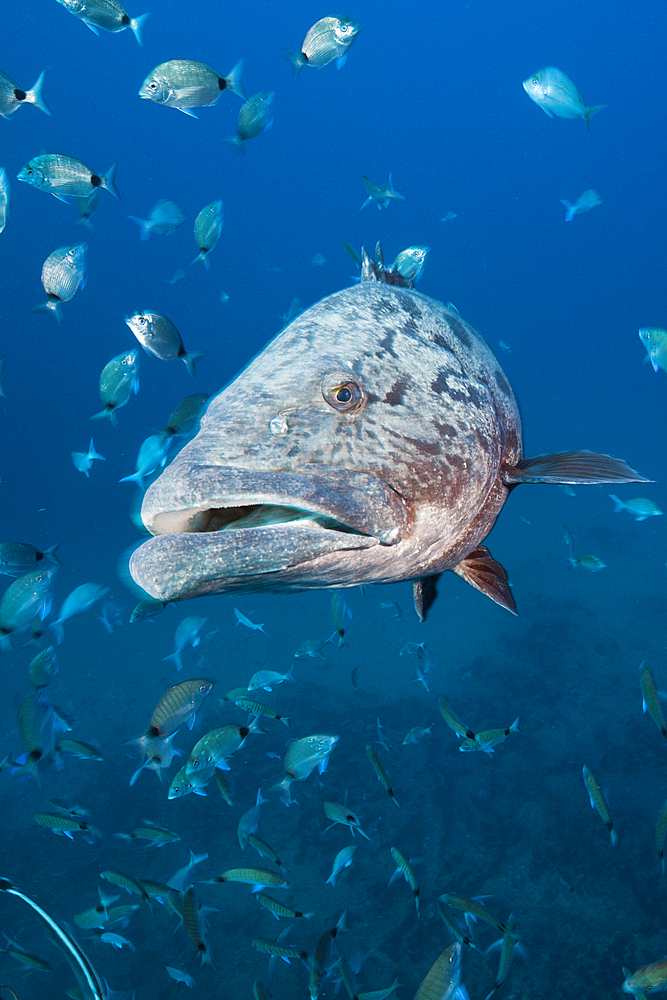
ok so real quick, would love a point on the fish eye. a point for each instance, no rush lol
(535, 81)
(343, 393)
(153, 85)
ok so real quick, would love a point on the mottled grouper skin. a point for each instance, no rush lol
(416, 468)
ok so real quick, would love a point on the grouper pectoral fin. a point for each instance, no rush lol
(483, 573)
(571, 467)
(424, 592)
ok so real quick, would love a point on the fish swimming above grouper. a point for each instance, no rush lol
(374, 440)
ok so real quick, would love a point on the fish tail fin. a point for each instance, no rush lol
(34, 95)
(108, 181)
(283, 787)
(233, 80)
(297, 61)
(235, 140)
(189, 359)
(59, 631)
(50, 554)
(137, 24)
(203, 257)
(136, 477)
(176, 657)
(92, 454)
(592, 111)
(619, 505)
(390, 190)
(144, 226)
(85, 221)
(515, 727)
(108, 412)
(570, 209)
(51, 306)
(575, 467)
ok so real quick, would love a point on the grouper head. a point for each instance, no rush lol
(374, 439)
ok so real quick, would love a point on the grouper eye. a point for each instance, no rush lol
(343, 393)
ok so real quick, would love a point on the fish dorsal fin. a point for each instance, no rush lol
(376, 271)
(424, 592)
(483, 573)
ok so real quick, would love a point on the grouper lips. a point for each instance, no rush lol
(257, 530)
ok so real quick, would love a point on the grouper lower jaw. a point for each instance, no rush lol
(295, 555)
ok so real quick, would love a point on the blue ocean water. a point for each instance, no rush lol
(432, 94)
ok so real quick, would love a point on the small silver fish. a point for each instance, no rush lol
(265, 679)
(185, 84)
(76, 603)
(151, 457)
(119, 379)
(4, 198)
(655, 341)
(443, 979)
(43, 668)
(147, 610)
(342, 860)
(555, 93)
(12, 97)
(639, 506)
(164, 218)
(585, 202)
(338, 813)
(302, 757)
(185, 418)
(328, 39)
(64, 177)
(188, 633)
(178, 706)
(83, 460)
(17, 558)
(242, 619)
(208, 226)
(63, 273)
(110, 15)
(158, 336)
(180, 977)
(649, 979)
(380, 195)
(410, 263)
(254, 118)
(489, 739)
(416, 734)
(195, 924)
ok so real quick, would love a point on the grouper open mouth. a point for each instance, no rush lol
(234, 529)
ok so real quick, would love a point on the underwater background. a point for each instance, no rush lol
(431, 93)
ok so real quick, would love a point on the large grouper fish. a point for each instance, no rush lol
(375, 439)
